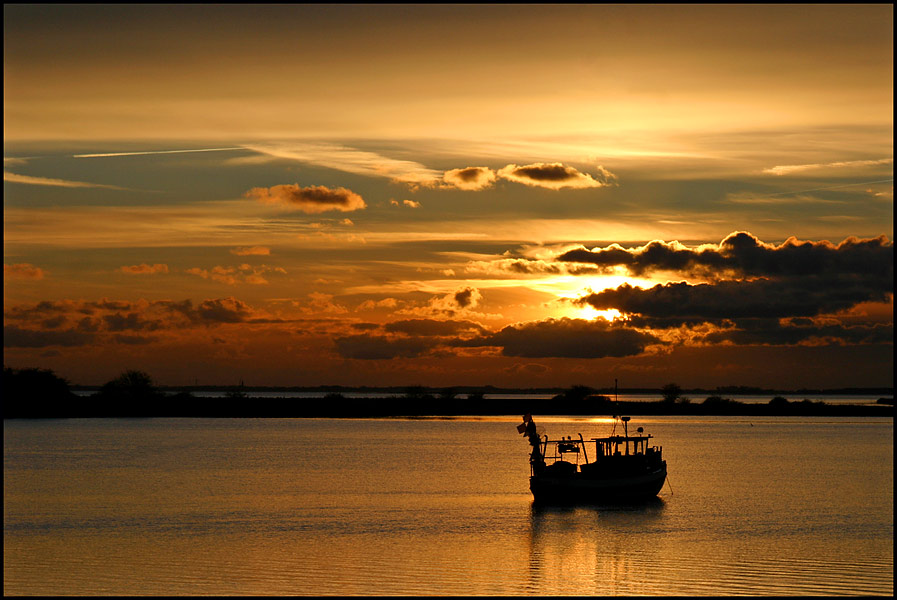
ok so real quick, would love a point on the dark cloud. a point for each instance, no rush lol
(223, 310)
(130, 322)
(373, 347)
(567, 338)
(466, 297)
(211, 312)
(777, 332)
(133, 340)
(749, 279)
(431, 327)
(768, 298)
(17, 337)
(313, 199)
(743, 254)
(553, 176)
(71, 323)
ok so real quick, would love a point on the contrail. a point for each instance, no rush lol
(155, 152)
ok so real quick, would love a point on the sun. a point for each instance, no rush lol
(577, 288)
(590, 314)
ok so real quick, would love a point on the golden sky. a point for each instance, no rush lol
(525, 195)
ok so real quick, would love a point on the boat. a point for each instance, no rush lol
(626, 468)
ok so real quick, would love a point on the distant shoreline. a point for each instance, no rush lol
(341, 407)
(492, 390)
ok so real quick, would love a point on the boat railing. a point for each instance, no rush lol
(563, 449)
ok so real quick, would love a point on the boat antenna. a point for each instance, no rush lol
(616, 408)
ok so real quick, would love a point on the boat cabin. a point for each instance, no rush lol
(612, 452)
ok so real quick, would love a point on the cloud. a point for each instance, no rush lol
(233, 275)
(468, 297)
(754, 332)
(17, 337)
(350, 160)
(223, 310)
(251, 251)
(553, 176)
(567, 338)
(23, 271)
(29, 180)
(373, 347)
(431, 327)
(757, 292)
(736, 299)
(310, 200)
(743, 254)
(851, 164)
(407, 203)
(144, 269)
(140, 153)
(73, 323)
(461, 301)
(470, 178)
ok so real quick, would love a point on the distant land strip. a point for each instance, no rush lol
(338, 406)
(34, 393)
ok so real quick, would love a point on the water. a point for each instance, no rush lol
(786, 506)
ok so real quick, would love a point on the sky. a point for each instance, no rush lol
(446, 195)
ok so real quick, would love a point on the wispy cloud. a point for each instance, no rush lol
(144, 269)
(251, 251)
(350, 160)
(789, 169)
(23, 271)
(142, 152)
(29, 180)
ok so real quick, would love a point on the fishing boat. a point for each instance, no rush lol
(625, 468)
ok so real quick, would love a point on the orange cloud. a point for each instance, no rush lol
(470, 178)
(22, 271)
(234, 275)
(251, 251)
(311, 200)
(144, 269)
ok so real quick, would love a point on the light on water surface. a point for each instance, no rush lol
(438, 507)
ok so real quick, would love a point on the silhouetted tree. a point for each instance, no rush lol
(671, 392)
(778, 401)
(577, 393)
(130, 394)
(31, 393)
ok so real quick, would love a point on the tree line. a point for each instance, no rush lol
(40, 393)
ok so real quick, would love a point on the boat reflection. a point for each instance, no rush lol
(592, 549)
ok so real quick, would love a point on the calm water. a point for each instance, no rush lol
(793, 506)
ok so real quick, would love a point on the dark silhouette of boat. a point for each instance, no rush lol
(625, 468)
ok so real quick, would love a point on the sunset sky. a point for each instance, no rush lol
(515, 195)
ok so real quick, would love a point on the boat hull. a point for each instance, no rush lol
(578, 488)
